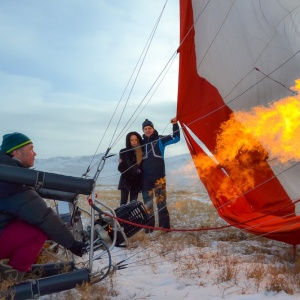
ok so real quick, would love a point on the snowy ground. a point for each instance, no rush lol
(172, 266)
(147, 282)
(207, 267)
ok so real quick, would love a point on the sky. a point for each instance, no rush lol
(66, 64)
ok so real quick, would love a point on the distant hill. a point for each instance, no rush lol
(181, 171)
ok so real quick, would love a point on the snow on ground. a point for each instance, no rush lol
(186, 270)
(158, 278)
(182, 270)
(144, 283)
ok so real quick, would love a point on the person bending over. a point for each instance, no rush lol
(26, 221)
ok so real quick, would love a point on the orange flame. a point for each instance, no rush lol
(227, 187)
(277, 126)
(248, 139)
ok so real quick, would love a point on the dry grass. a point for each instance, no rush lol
(219, 257)
(264, 264)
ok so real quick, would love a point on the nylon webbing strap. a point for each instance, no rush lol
(40, 177)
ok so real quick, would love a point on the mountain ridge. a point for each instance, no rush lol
(180, 169)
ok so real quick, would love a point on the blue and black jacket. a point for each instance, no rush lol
(154, 147)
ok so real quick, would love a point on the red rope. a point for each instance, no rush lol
(186, 230)
(165, 229)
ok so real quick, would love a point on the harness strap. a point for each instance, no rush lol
(40, 177)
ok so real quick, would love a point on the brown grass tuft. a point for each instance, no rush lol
(228, 258)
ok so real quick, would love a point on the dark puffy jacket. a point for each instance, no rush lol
(23, 202)
(7, 189)
(154, 148)
(130, 178)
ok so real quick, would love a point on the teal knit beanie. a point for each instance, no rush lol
(13, 141)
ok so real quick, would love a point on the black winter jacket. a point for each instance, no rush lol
(130, 178)
(23, 202)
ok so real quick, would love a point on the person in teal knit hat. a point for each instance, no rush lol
(26, 221)
(13, 145)
(12, 141)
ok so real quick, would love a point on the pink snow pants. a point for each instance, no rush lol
(21, 243)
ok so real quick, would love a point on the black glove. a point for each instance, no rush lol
(78, 248)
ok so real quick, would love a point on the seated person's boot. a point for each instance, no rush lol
(9, 274)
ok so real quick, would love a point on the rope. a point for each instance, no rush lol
(233, 225)
(127, 265)
(254, 68)
(209, 228)
(142, 58)
(220, 207)
(101, 160)
(146, 51)
(256, 186)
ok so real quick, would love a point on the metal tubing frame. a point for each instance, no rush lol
(116, 228)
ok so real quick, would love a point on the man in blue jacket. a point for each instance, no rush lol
(153, 171)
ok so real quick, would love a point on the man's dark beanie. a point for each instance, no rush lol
(13, 141)
(147, 123)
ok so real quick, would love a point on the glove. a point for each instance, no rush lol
(78, 248)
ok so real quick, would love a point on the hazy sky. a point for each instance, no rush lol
(65, 65)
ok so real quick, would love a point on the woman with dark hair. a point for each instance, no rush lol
(130, 160)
